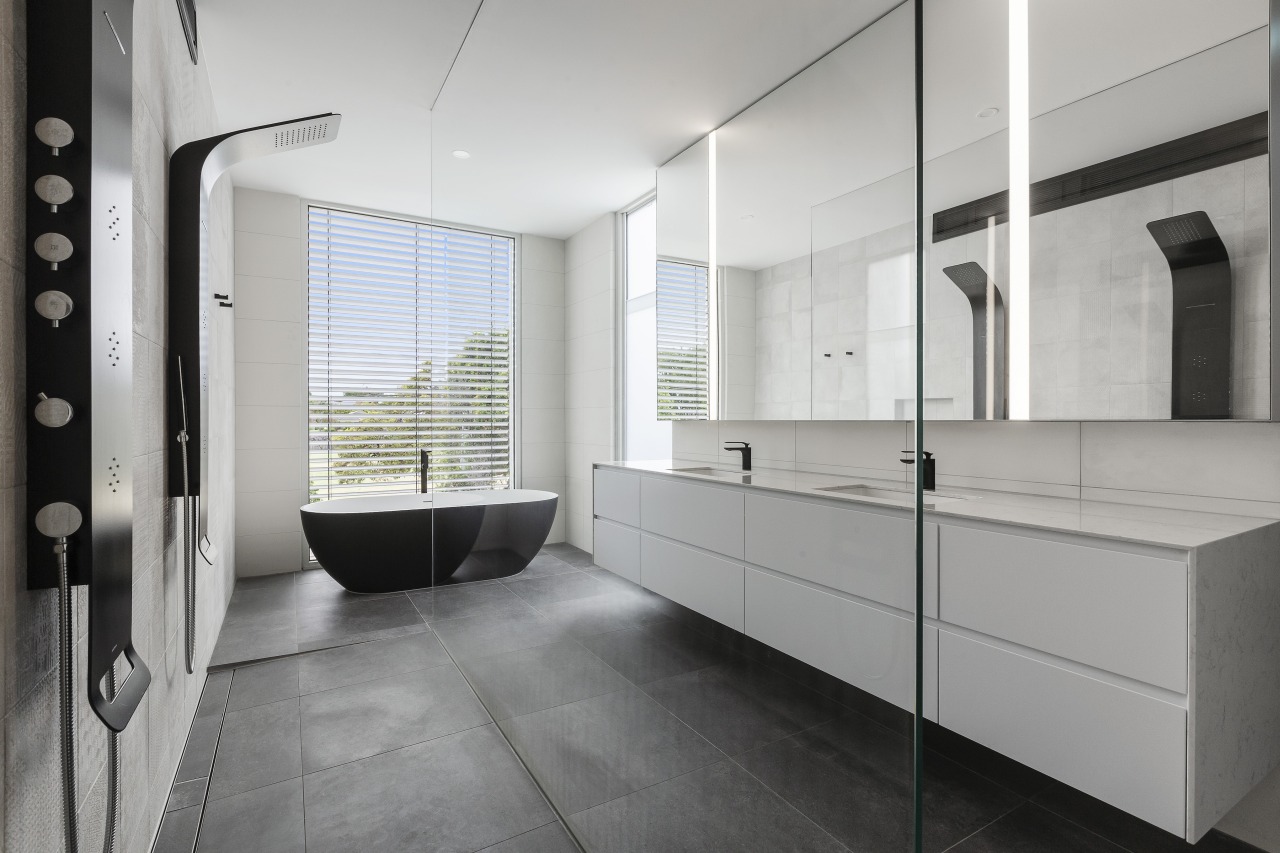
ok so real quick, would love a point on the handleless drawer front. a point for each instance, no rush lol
(617, 496)
(1119, 746)
(618, 549)
(862, 553)
(1123, 613)
(869, 648)
(705, 516)
(710, 585)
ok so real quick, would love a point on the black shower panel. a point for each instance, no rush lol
(973, 282)
(1201, 315)
(79, 319)
(193, 170)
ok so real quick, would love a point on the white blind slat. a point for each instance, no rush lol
(683, 341)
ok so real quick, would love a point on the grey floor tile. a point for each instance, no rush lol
(660, 650)
(1031, 829)
(264, 683)
(482, 636)
(742, 705)
(328, 591)
(363, 637)
(343, 665)
(1122, 828)
(459, 602)
(187, 794)
(213, 699)
(855, 782)
(260, 601)
(460, 792)
(549, 590)
(259, 746)
(715, 808)
(544, 565)
(312, 576)
(327, 622)
(551, 838)
(602, 614)
(529, 680)
(255, 638)
(178, 831)
(353, 722)
(266, 582)
(594, 750)
(570, 554)
(197, 755)
(266, 820)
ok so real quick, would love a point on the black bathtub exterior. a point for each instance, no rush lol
(391, 543)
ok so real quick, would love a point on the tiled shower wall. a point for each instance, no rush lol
(270, 333)
(172, 105)
(1101, 312)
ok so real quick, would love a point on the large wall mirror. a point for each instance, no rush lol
(1149, 293)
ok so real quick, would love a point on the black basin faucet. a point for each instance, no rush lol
(928, 472)
(745, 450)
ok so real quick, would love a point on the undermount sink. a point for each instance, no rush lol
(744, 476)
(902, 496)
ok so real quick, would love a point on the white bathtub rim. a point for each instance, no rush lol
(404, 502)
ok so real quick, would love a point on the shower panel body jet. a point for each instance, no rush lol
(1201, 342)
(974, 283)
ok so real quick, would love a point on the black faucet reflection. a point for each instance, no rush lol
(745, 450)
(928, 471)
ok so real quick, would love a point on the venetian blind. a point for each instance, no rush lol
(408, 349)
(682, 321)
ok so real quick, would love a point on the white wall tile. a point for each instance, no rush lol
(542, 426)
(592, 313)
(269, 512)
(540, 287)
(773, 443)
(695, 439)
(541, 390)
(873, 445)
(264, 212)
(267, 470)
(541, 253)
(542, 462)
(269, 384)
(268, 341)
(268, 554)
(542, 357)
(268, 299)
(542, 322)
(591, 242)
(1006, 450)
(269, 427)
(268, 256)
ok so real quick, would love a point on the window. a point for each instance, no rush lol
(644, 435)
(409, 329)
(683, 342)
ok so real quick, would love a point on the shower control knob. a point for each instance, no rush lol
(53, 411)
(54, 248)
(55, 133)
(54, 305)
(54, 190)
(58, 520)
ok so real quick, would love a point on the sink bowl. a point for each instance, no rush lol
(902, 496)
(736, 476)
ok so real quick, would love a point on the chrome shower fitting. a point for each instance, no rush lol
(55, 133)
(54, 305)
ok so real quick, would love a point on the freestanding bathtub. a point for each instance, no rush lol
(388, 543)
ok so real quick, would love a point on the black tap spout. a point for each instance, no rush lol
(744, 449)
(928, 471)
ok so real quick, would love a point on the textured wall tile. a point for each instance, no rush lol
(33, 787)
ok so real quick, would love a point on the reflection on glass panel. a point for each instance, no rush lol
(645, 436)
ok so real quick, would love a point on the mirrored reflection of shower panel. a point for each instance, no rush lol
(1201, 342)
(974, 283)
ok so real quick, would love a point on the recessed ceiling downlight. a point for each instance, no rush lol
(462, 155)
(989, 112)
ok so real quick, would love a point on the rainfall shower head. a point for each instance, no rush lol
(1188, 240)
(970, 277)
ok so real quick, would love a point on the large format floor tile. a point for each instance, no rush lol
(661, 650)
(351, 664)
(594, 750)
(264, 683)
(529, 680)
(741, 705)
(565, 587)
(600, 614)
(459, 602)
(265, 820)
(493, 634)
(258, 746)
(457, 793)
(348, 619)
(1031, 829)
(551, 838)
(715, 808)
(359, 720)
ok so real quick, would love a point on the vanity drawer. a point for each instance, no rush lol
(1122, 747)
(617, 549)
(864, 646)
(862, 553)
(708, 584)
(705, 516)
(1121, 612)
(617, 496)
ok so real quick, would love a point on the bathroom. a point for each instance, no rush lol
(493, 426)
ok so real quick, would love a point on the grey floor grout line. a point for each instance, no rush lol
(987, 825)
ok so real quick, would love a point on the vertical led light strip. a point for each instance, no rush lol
(713, 288)
(1019, 307)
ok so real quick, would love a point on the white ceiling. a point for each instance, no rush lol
(567, 106)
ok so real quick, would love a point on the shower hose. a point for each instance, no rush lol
(188, 559)
(67, 702)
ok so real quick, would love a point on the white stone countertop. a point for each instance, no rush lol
(1147, 525)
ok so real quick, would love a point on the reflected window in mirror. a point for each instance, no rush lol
(644, 434)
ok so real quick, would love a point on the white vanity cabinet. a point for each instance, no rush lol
(1141, 672)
